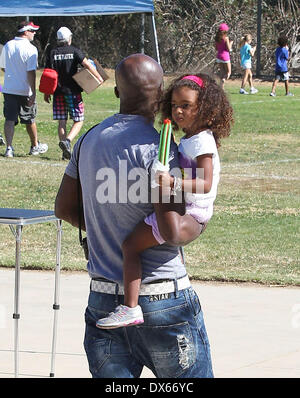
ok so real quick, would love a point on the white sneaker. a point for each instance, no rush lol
(242, 91)
(272, 94)
(122, 316)
(2, 142)
(289, 95)
(39, 148)
(253, 90)
(9, 152)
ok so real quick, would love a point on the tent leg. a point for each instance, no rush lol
(16, 315)
(56, 293)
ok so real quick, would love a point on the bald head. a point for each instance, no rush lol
(139, 82)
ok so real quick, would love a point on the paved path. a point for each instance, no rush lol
(254, 331)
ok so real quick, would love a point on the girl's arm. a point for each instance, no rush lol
(197, 185)
(228, 43)
(252, 51)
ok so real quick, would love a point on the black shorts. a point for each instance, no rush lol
(15, 107)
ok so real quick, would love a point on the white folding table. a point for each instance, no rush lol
(16, 219)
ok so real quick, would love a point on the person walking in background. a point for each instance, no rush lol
(246, 54)
(223, 46)
(281, 67)
(67, 99)
(19, 63)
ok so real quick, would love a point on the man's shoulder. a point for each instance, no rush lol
(132, 129)
(11, 42)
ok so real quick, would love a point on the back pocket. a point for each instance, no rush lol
(171, 348)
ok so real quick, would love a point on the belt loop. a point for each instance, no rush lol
(116, 294)
(176, 288)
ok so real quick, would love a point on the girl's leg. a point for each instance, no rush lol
(184, 229)
(139, 240)
(228, 70)
(222, 73)
(244, 80)
(250, 80)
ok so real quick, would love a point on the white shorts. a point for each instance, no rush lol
(220, 61)
(246, 65)
(201, 214)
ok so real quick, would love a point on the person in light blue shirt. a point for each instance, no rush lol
(246, 54)
(281, 66)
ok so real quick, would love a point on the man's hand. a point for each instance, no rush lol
(47, 98)
(30, 100)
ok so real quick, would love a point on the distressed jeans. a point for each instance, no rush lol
(172, 342)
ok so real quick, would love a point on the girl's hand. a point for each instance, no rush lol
(164, 179)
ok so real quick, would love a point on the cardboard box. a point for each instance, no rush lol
(87, 81)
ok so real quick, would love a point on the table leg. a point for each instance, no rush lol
(56, 293)
(16, 314)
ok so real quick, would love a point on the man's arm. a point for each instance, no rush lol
(31, 76)
(170, 227)
(93, 71)
(66, 202)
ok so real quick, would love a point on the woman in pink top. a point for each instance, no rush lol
(223, 47)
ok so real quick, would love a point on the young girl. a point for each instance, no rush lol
(246, 53)
(199, 106)
(223, 47)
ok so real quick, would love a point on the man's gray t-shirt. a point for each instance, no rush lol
(114, 167)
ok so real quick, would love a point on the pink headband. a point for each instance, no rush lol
(195, 79)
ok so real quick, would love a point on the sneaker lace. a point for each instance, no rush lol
(118, 313)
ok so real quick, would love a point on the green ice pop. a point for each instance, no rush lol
(165, 141)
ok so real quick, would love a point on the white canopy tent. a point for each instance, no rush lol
(43, 8)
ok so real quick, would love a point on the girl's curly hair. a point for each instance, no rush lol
(214, 107)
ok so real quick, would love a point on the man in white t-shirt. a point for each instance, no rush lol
(19, 62)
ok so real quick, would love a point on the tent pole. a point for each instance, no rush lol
(155, 39)
(258, 44)
(143, 34)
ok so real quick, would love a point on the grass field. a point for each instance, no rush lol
(254, 234)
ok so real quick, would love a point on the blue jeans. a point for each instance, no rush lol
(172, 342)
